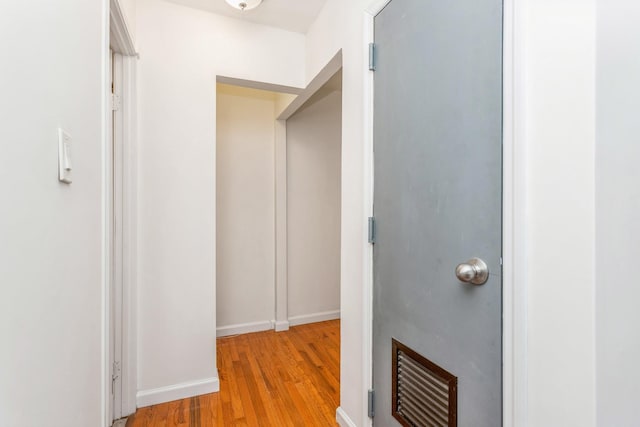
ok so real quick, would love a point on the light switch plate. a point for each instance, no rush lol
(64, 157)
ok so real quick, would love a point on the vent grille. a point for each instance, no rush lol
(424, 394)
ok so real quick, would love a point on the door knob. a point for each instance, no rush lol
(474, 271)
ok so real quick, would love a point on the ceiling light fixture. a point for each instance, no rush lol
(244, 4)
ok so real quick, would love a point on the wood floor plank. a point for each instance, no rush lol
(267, 379)
(178, 413)
(208, 410)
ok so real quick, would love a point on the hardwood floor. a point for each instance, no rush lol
(266, 379)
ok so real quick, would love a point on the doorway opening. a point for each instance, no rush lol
(278, 210)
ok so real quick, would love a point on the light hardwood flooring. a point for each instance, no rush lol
(266, 379)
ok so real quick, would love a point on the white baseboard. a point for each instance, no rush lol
(177, 391)
(279, 326)
(282, 325)
(343, 419)
(315, 317)
(244, 328)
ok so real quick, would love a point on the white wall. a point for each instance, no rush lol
(559, 117)
(181, 52)
(51, 233)
(618, 204)
(245, 206)
(313, 206)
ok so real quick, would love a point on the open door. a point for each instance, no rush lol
(437, 309)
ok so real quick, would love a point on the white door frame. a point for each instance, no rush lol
(124, 206)
(514, 187)
(120, 169)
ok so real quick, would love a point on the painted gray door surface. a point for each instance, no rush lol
(438, 197)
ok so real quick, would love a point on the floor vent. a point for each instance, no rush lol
(423, 393)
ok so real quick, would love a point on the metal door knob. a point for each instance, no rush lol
(474, 271)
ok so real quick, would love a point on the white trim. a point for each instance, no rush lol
(278, 326)
(507, 217)
(244, 328)
(178, 391)
(514, 397)
(314, 317)
(120, 36)
(343, 419)
(117, 267)
(105, 91)
(130, 234)
(282, 326)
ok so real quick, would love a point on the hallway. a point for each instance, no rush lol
(280, 379)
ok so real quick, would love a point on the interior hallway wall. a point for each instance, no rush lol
(558, 133)
(617, 209)
(51, 234)
(181, 52)
(313, 207)
(245, 207)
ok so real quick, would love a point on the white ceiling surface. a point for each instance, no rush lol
(291, 15)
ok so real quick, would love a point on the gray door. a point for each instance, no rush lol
(438, 204)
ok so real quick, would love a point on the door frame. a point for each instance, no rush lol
(124, 167)
(514, 215)
(119, 308)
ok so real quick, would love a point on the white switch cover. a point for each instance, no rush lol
(64, 157)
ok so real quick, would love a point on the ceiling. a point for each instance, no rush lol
(291, 15)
